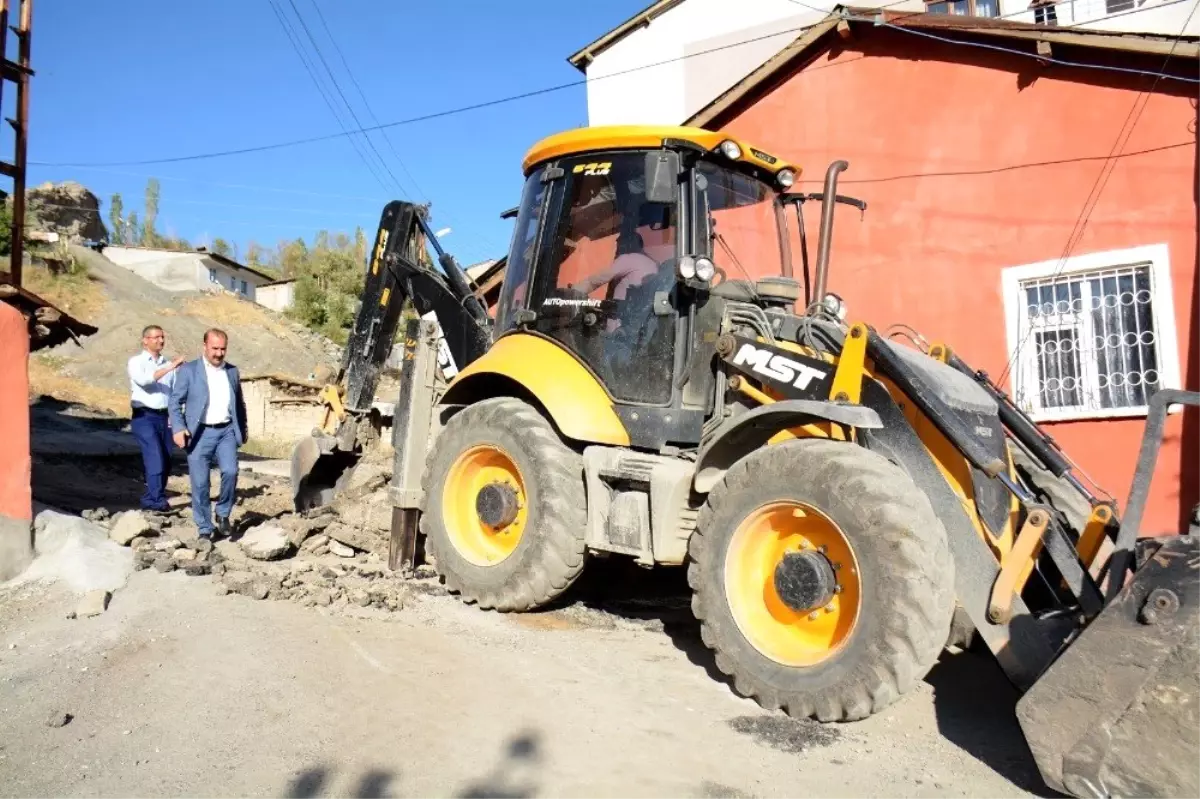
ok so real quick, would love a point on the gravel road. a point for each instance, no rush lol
(175, 690)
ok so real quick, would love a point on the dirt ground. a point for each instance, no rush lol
(178, 690)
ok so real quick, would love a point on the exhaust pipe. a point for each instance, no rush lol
(827, 204)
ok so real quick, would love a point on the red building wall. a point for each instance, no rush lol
(931, 248)
(15, 498)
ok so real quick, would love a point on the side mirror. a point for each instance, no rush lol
(662, 176)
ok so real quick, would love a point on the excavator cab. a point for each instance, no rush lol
(612, 244)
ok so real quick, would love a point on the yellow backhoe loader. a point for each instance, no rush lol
(658, 383)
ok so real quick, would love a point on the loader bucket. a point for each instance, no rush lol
(1118, 713)
(317, 470)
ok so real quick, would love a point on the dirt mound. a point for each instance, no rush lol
(260, 340)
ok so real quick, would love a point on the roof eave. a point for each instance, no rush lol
(583, 57)
(805, 45)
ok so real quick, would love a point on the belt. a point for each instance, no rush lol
(145, 409)
(218, 424)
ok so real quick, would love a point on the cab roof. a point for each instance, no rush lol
(614, 137)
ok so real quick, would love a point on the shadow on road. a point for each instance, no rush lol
(975, 706)
(511, 778)
(974, 703)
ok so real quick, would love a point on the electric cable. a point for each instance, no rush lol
(562, 86)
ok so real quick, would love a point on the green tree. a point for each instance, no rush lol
(149, 236)
(221, 247)
(6, 222)
(116, 219)
(133, 228)
(360, 246)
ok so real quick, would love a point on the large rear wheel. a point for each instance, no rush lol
(506, 507)
(822, 579)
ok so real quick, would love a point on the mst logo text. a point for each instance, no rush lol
(777, 367)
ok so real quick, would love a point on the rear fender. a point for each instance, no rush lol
(754, 429)
(523, 364)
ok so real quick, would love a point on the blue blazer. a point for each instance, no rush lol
(189, 400)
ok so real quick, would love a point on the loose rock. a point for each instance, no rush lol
(266, 542)
(128, 526)
(164, 563)
(313, 542)
(340, 549)
(197, 568)
(167, 544)
(93, 604)
(182, 554)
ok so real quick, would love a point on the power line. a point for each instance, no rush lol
(572, 84)
(366, 103)
(240, 186)
(294, 39)
(1008, 168)
(1093, 198)
(337, 87)
(420, 193)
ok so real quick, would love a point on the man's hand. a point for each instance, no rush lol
(181, 438)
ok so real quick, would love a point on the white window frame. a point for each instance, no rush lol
(1163, 303)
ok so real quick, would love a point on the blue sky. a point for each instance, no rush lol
(130, 80)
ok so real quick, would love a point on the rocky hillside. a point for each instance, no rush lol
(68, 209)
(120, 304)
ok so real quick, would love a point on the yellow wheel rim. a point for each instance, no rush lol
(477, 541)
(782, 634)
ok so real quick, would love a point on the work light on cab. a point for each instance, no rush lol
(729, 148)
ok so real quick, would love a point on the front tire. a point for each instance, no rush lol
(884, 626)
(523, 544)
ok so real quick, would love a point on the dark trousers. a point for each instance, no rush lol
(154, 439)
(219, 445)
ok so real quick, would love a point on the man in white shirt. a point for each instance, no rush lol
(151, 377)
(208, 416)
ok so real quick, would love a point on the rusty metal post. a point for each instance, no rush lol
(21, 128)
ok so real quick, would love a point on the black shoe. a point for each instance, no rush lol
(223, 527)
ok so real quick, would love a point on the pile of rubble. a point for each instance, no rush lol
(335, 557)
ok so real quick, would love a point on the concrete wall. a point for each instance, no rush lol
(678, 86)
(960, 190)
(16, 502)
(183, 271)
(276, 296)
(701, 48)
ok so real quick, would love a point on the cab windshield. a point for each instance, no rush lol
(745, 223)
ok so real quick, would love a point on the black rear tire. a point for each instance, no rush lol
(550, 553)
(906, 578)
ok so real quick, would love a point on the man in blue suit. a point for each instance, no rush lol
(208, 415)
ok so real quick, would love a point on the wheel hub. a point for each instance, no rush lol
(496, 505)
(805, 580)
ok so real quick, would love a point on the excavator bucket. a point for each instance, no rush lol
(317, 470)
(1118, 713)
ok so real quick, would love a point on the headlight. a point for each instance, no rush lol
(687, 268)
(705, 269)
(835, 306)
(729, 148)
(786, 177)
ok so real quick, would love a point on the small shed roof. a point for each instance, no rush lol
(48, 326)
